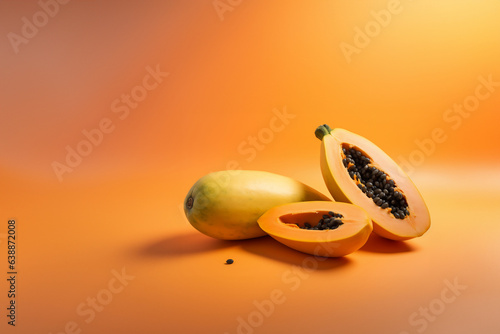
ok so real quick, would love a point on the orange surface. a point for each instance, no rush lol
(243, 92)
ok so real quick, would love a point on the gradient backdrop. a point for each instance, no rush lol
(168, 91)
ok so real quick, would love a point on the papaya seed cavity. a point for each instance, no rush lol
(330, 221)
(373, 182)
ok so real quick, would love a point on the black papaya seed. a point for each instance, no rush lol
(374, 182)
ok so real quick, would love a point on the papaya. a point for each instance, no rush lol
(328, 229)
(359, 172)
(226, 204)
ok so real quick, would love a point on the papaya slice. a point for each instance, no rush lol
(320, 228)
(357, 171)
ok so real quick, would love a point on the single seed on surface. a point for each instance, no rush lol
(229, 261)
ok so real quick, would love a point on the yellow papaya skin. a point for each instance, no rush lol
(226, 204)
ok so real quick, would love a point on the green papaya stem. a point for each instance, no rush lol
(322, 131)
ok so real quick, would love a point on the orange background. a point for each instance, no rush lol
(120, 207)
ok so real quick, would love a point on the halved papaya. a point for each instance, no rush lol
(320, 228)
(357, 171)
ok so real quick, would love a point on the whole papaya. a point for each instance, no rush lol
(226, 204)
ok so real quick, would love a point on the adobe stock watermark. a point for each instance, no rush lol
(88, 310)
(121, 108)
(30, 27)
(373, 28)
(425, 315)
(293, 279)
(248, 149)
(258, 142)
(453, 117)
(223, 6)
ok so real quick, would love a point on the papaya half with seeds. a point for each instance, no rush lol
(357, 171)
(226, 204)
(329, 229)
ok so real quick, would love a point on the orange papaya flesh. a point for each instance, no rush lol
(286, 224)
(359, 172)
